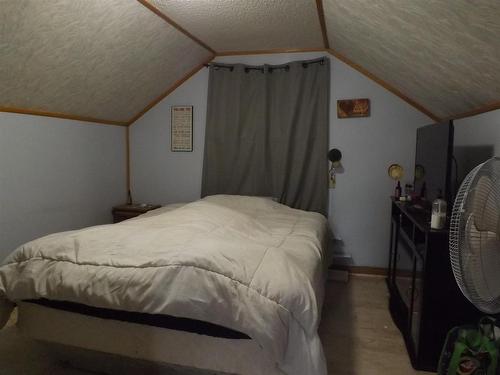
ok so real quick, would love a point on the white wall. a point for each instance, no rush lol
(359, 206)
(157, 174)
(483, 129)
(56, 175)
(477, 139)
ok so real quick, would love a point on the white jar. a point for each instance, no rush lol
(438, 217)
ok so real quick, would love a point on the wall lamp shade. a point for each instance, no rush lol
(335, 156)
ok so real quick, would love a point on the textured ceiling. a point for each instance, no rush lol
(113, 59)
(444, 55)
(105, 59)
(247, 25)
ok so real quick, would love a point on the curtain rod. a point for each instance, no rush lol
(262, 68)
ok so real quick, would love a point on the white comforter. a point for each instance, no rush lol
(246, 263)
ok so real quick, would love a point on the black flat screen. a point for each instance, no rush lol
(433, 160)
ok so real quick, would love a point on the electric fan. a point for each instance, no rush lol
(475, 237)
(475, 260)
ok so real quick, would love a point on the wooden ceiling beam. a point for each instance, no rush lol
(269, 51)
(483, 109)
(66, 116)
(169, 90)
(322, 22)
(170, 21)
(334, 53)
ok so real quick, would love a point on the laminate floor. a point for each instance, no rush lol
(357, 331)
(358, 335)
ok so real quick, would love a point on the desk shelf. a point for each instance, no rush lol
(425, 301)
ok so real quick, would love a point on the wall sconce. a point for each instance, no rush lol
(335, 156)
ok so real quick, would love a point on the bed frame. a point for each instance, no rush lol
(103, 345)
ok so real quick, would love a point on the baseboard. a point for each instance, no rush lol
(361, 270)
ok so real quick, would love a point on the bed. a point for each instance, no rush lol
(233, 284)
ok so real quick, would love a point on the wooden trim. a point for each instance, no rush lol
(127, 157)
(36, 112)
(329, 50)
(169, 90)
(163, 16)
(197, 68)
(322, 22)
(270, 51)
(485, 108)
(384, 84)
(361, 270)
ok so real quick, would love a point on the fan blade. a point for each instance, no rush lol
(481, 264)
(489, 288)
(484, 206)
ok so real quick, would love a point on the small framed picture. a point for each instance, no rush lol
(353, 108)
(181, 128)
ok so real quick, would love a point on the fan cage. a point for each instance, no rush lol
(474, 253)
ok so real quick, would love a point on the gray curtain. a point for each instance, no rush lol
(267, 132)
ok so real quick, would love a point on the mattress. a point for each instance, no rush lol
(140, 348)
(245, 263)
(154, 320)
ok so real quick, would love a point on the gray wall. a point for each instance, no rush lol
(477, 139)
(157, 174)
(56, 175)
(359, 206)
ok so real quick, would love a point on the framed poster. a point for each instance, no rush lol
(181, 128)
(353, 108)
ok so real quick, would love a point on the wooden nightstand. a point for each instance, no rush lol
(128, 211)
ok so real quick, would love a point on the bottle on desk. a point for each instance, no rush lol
(397, 192)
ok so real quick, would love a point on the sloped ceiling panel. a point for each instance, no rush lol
(444, 55)
(105, 59)
(247, 25)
